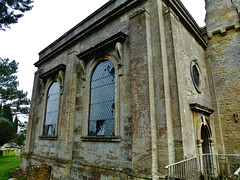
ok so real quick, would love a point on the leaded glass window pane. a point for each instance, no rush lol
(196, 75)
(51, 110)
(102, 107)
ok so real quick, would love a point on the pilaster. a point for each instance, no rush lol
(140, 51)
(67, 115)
(30, 138)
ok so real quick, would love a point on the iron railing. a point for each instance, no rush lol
(186, 169)
(206, 167)
(237, 173)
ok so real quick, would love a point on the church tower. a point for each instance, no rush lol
(223, 59)
(222, 15)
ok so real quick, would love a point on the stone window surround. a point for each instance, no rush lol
(89, 71)
(46, 80)
(110, 49)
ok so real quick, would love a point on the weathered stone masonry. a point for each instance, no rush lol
(172, 81)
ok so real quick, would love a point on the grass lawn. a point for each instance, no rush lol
(8, 162)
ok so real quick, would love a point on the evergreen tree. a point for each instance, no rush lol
(11, 99)
(19, 138)
(1, 110)
(12, 10)
(7, 131)
(16, 124)
(12, 102)
(7, 113)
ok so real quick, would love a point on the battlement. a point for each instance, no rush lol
(221, 16)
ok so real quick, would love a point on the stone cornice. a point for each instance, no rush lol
(200, 108)
(109, 11)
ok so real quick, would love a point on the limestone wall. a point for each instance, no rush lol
(70, 151)
(221, 15)
(223, 61)
(183, 49)
(154, 88)
(223, 53)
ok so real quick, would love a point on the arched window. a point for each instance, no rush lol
(102, 100)
(51, 113)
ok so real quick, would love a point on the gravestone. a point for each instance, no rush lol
(17, 152)
(7, 151)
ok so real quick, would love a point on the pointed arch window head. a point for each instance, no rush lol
(51, 112)
(102, 100)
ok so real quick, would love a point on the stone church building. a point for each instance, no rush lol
(135, 87)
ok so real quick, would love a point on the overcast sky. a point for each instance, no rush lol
(48, 20)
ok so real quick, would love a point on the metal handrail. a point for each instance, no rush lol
(237, 173)
(185, 169)
(207, 165)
